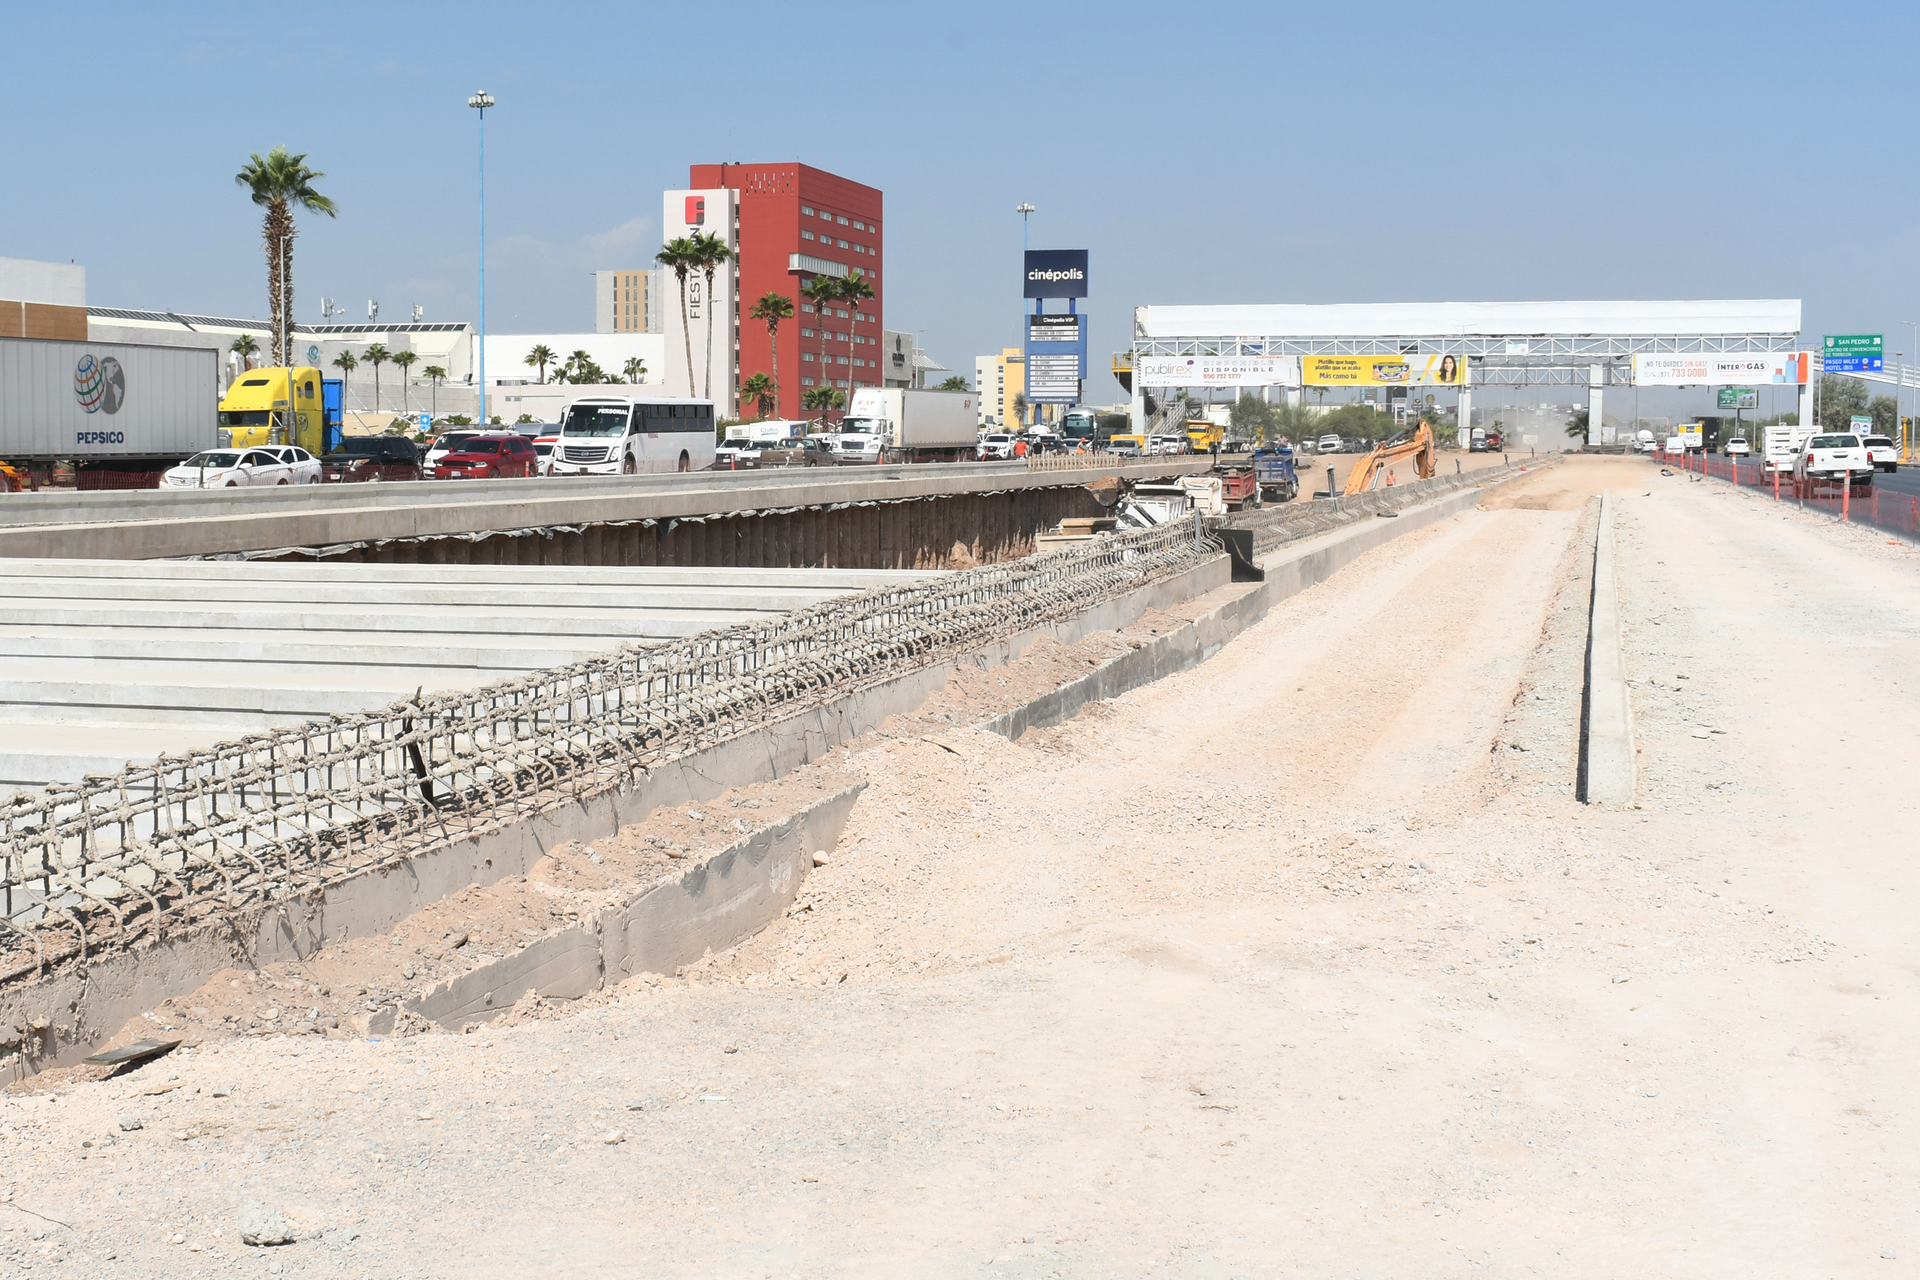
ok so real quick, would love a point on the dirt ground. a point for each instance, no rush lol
(1304, 962)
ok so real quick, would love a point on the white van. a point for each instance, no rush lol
(626, 435)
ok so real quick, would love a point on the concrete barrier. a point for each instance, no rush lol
(1608, 771)
(1289, 571)
(712, 906)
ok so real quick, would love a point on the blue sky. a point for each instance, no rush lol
(1203, 153)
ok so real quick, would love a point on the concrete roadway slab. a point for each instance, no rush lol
(106, 661)
(142, 525)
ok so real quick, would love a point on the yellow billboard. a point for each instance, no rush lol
(1382, 371)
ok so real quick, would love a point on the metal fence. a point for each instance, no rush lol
(286, 812)
(1853, 504)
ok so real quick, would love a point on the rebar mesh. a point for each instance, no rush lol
(289, 811)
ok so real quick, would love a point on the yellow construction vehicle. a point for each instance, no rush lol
(1203, 435)
(1416, 444)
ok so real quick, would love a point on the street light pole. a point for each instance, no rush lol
(480, 102)
(1026, 378)
(1906, 443)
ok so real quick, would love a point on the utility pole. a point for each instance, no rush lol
(1026, 377)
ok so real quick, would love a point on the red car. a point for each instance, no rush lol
(498, 456)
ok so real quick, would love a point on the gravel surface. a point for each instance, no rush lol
(1303, 962)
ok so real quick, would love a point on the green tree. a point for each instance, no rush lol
(711, 252)
(246, 348)
(821, 291)
(346, 364)
(771, 309)
(280, 183)
(1294, 423)
(636, 369)
(1251, 416)
(376, 355)
(853, 290)
(435, 375)
(759, 390)
(1840, 399)
(540, 357)
(1886, 416)
(682, 257)
(1020, 408)
(823, 399)
(406, 361)
(955, 383)
(1577, 427)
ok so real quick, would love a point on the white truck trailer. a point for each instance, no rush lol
(913, 425)
(105, 406)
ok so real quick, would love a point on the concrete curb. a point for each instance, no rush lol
(1289, 571)
(1608, 773)
(714, 905)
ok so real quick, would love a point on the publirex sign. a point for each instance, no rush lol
(1056, 273)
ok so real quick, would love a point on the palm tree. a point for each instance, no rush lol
(853, 290)
(542, 356)
(955, 383)
(821, 291)
(405, 359)
(245, 347)
(1020, 407)
(376, 355)
(346, 364)
(773, 308)
(712, 251)
(435, 375)
(582, 365)
(759, 389)
(825, 399)
(636, 369)
(680, 256)
(278, 183)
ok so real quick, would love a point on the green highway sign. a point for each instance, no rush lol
(1739, 398)
(1853, 353)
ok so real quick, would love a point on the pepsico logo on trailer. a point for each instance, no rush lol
(99, 384)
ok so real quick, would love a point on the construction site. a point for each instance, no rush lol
(1398, 882)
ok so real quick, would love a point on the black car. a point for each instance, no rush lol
(372, 458)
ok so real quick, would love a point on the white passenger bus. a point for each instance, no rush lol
(626, 435)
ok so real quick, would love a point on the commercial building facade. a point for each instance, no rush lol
(626, 300)
(1000, 380)
(789, 223)
(43, 300)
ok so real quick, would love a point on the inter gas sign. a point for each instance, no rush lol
(1056, 273)
(1777, 367)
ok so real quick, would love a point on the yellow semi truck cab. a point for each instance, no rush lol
(275, 406)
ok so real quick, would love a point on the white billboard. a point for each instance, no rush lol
(1783, 367)
(707, 325)
(1217, 371)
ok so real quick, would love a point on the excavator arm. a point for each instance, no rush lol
(1417, 444)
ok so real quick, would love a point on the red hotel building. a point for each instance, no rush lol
(797, 222)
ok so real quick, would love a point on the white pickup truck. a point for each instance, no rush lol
(1884, 452)
(1835, 458)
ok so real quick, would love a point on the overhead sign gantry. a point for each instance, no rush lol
(1467, 344)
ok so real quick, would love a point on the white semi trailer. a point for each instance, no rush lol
(906, 424)
(105, 406)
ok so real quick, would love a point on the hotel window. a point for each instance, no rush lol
(806, 333)
(806, 235)
(807, 356)
(806, 382)
(841, 243)
(807, 209)
(807, 307)
(842, 221)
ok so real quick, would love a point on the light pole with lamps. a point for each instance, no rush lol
(480, 102)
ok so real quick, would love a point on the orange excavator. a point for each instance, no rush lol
(1416, 444)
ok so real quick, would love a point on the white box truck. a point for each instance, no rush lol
(105, 406)
(906, 424)
(1783, 441)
